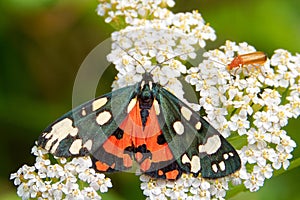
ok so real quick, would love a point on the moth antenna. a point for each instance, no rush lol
(158, 64)
(127, 52)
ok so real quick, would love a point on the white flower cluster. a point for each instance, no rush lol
(256, 105)
(138, 51)
(152, 32)
(248, 105)
(252, 102)
(131, 10)
(187, 187)
(159, 47)
(74, 179)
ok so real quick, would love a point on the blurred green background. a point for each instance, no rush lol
(43, 43)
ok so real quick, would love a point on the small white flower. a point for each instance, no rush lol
(24, 191)
(267, 154)
(294, 105)
(254, 181)
(193, 76)
(282, 160)
(218, 114)
(99, 182)
(239, 123)
(281, 58)
(286, 144)
(263, 120)
(264, 170)
(54, 171)
(219, 188)
(243, 102)
(258, 136)
(249, 154)
(176, 191)
(151, 188)
(58, 190)
(276, 133)
(90, 193)
(271, 97)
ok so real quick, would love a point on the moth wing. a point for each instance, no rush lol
(195, 144)
(85, 129)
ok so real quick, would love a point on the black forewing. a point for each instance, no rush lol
(188, 142)
(83, 119)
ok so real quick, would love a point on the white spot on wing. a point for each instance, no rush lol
(59, 131)
(131, 104)
(222, 165)
(185, 159)
(211, 146)
(156, 107)
(187, 113)
(214, 168)
(195, 162)
(231, 154)
(150, 85)
(142, 84)
(225, 156)
(103, 117)
(99, 103)
(75, 146)
(198, 126)
(83, 112)
(178, 127)
(88, 145)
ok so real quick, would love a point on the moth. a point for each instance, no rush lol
(145, 124)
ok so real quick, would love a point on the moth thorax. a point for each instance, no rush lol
(145, 98)
(145, 103)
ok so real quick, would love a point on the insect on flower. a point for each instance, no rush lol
(254, 58)
(147, 124)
